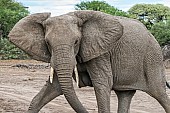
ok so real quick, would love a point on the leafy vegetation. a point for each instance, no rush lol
(156, 18)
(10, 51)
(100, 6)
(150, 14)
(10, 13)
(161, 31)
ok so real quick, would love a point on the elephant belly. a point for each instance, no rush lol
(127, 65)
(128, 76)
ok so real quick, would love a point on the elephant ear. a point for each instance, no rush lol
(99, 33)
(28, 34)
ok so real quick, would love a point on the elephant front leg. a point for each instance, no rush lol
(124, 100)
(46, 94)
(100, 73)
(102, 92)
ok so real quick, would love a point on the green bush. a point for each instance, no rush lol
(10, 13)
(10, 51)
(149, 14)
(100, 6)
(161, 32)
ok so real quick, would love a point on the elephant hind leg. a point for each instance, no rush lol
(157, 87)
(155, 78)
(124, 100)
(161, 96)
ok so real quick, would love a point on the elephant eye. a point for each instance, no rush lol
(76, 42)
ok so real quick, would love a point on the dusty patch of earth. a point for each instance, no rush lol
(21, 80)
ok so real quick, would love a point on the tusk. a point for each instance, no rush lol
(77, 76)
(51, 74)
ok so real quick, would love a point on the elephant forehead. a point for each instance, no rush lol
(59, 30)
(59, 20)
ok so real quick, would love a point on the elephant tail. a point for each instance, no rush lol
(168, 85)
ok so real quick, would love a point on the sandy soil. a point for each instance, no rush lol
(21, 80)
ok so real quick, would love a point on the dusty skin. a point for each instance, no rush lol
(21, 80)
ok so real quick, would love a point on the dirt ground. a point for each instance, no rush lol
(20, 81)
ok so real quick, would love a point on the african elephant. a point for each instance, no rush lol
(118, 54)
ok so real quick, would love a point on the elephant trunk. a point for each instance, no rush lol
(63, 63)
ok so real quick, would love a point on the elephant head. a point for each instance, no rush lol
(58, 40)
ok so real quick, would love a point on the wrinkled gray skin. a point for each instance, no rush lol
(166, 56)
(118, 54)
(166, 52)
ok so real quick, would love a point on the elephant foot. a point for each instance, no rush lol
(46, 94)
(32, 111)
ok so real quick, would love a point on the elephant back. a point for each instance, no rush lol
(136, 32)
